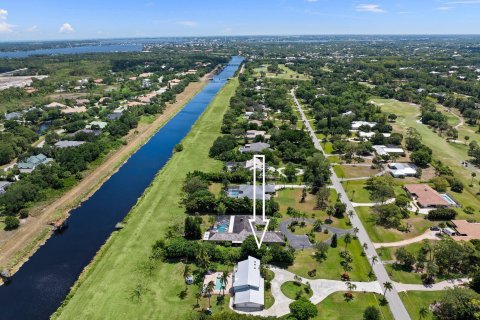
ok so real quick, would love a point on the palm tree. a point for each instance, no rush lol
(224, 280)
(374, 260)
(198, 295)
(351, 286)
(365, 246)
(423, 312)
(203, 257)
(388, 286)
(348, 240)
(355, 231)
(187, 272)
(209, 289)
(473, 176)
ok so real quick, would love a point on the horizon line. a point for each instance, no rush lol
(244, 35)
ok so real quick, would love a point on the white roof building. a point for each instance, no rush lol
(248, 286)
(358, 124)
(368, 135)
(398, 170)
(384, 150)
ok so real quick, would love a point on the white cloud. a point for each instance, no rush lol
(66, 28)
(32, 29)
(375, 8)
(312, 0)
(444, 8)
(4, 26)
(188, 23)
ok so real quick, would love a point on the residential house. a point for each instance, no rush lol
(369, 135)
(32, 162)
(249, 165)
(96, 124)
(358, 124)
(382, 150)
(56, 105)
(400, 170)
(466, 230)
(254, 147)
(82, 102)
(70, 110)
(13, 116)
(3, 186)
(248, 286)
(246, 190)
(114, 116)
(426, 196)
(252, 134)
(67, 144)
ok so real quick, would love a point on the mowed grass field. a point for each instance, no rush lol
(118, 284)
(334, 307)
(449, 153)
(287, 73)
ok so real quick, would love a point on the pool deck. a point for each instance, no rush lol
(213, 277)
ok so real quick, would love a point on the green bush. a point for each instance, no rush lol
(11, 223)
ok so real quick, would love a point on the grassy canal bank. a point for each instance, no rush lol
(120, 283)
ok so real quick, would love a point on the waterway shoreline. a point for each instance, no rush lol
(120, 156)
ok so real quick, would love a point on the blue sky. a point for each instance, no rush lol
(54, 19)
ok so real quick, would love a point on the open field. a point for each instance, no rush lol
(105, 288)
(14, 244)
(334, 307)
(331, 268)
(354, 171)
(287, 73)
(380, 234)
(291, 198)
(449, 153)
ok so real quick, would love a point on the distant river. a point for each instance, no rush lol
(43, 282)
(74, 50)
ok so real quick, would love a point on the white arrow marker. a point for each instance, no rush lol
(267, 221)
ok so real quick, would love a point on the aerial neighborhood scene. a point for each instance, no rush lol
(277, 159)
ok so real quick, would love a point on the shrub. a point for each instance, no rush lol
(11, 223)
(442, 214)
(371, 313)
(178, 147)
(23, 213)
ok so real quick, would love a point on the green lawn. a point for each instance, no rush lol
(291, 198)
(334, 307)
(117, 274)
(451, 154)
(356, 191)
(414, 300)
(331, 268)
(292, 288)
(380, 234)
(287, 73)
(389, 253)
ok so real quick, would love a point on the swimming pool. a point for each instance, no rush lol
(448, 198)
(218, 283)
(233, 193)
(222, 227)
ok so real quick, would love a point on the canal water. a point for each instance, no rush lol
(43, 282)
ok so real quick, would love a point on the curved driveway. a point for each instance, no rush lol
(301, 241)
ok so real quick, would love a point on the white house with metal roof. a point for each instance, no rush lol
(248, 286)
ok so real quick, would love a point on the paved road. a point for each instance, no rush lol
(301, 241)
(398, 309)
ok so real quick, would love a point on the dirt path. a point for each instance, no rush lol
(13, 244)
(430, 235)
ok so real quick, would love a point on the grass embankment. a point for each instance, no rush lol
(107, 287)
(334, 307)
(451, 154)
